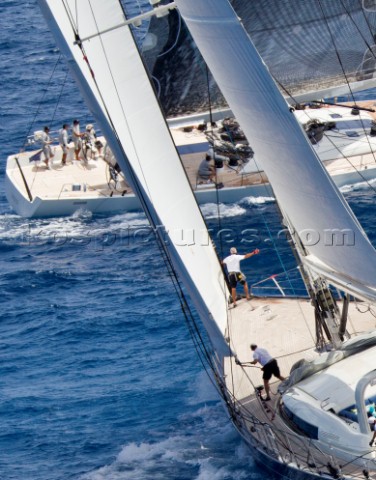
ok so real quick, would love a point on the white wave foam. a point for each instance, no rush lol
(257, 200)
(81, 224)
(212, 210)
(198, 451)
(358, 186)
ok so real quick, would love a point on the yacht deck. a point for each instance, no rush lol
(91, 178)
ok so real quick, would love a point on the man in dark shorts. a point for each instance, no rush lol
(269, 366)
(235, 275)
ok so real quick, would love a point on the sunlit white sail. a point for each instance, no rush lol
(307, 197)
(114, 82)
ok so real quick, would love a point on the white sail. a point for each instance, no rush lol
(332, 237)
(123, 101)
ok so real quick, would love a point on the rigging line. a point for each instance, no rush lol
(76, 11)
(114, 85)
(40, 103)
(328, 136)
(193, 329)
(226, 287)
(131, 171)
(284, 269)
(162, 54)
(125, 119)
(158, 86)
(59, 97)
(356, 26)
(335, 48)
(270, 189)
(352, 165)
(183, 300)
(71, 18)
(366, 18)
(368, 142)
(219, 223)
(274, 275)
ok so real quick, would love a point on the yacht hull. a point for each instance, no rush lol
(41, 207)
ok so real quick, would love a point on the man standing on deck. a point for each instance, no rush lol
(269, 366)
(77, 138)
(235, 275)
(63, 141)
(46, 147)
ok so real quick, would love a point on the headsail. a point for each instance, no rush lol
(297, 34)
(307, 196)
(115, 85)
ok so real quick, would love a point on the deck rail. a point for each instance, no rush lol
(295, 451)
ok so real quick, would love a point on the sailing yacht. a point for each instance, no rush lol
(343, 141)
(316, 424)
(347, 148)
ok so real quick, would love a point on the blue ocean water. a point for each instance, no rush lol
(99, 377)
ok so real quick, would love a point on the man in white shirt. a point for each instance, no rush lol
(46, 147)
(77, 138)
(269, 366)
(235, 275)
(63, 142)
(206, 170)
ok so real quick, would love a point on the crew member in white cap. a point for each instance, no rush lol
(235, 275)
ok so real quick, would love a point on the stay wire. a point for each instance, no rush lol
(166, 256)
(40, 103)
(328, 137)
(335, 48)
(371, 30)
(207, 72)
(221, 246)
(369, 50)
(352, 165)
(162, 54)
(357, 27)
(59, 98)
(219, 222)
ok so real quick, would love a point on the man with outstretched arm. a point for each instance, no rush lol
(235, 275)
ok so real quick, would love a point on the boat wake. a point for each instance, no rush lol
(359, 186)
(213, 210)
(196, 452)
(257, 200)
(81, 225)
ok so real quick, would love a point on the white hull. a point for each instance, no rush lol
(345, 151)
(45, 207)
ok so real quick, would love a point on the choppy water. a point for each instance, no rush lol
(99, 377)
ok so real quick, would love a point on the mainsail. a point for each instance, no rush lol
(313, 49)
(113, 80)
(308, 198)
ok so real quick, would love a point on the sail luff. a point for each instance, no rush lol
(122, 100)
(303, 188)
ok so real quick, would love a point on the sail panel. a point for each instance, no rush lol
(306, 194)
(294, 33)
(324, 42)
(123, 101)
